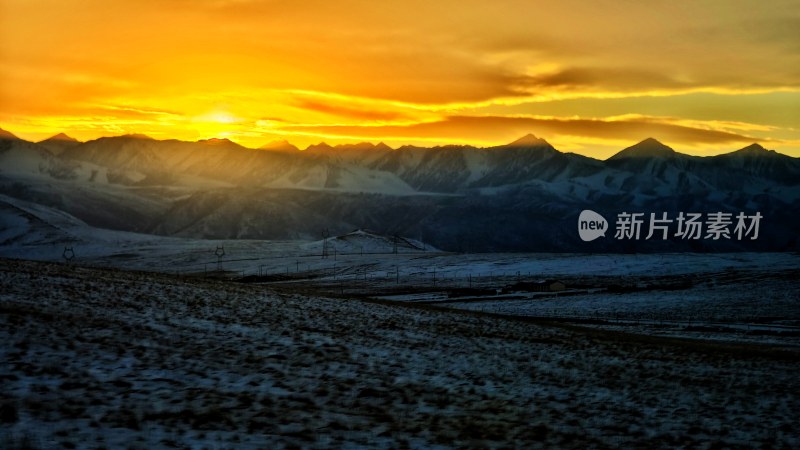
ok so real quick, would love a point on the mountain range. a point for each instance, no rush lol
(522, 196)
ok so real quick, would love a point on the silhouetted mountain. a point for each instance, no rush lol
(282, 145)
(59, 143)
(756, 161)
(658, 169)
(219, 141)
(522, 196)
(380, 146)
(531, 158)
(648, 148)
(529, 140)
(7, 135)
(321, 147)
(363, 146)
(22, 158)
(60, 137)
(137, 136)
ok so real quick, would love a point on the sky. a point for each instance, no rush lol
(591, 77)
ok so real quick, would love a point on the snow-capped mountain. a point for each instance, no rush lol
(756, 161)
(524, 195)
(26, 159)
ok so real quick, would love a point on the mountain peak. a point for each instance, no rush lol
(363, 146)
(281, 145)
(651, 141)
(7, 135)
(322, 146)
(753, 149)
(356, 146)
(61, 137)
(137, 136)
(755, 146)
(527, 141)
(216, 140)
(648, 148)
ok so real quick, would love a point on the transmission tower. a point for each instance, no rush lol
(68, 254)
(220, 252)
(325, 234)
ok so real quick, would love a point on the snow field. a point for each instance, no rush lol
(110, 359)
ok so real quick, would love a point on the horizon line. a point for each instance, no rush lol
(519, 143)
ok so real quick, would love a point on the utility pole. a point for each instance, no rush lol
(325, 234)
(220, 252)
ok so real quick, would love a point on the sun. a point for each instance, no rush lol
(223, 118)
(216, 117)
(216, 124)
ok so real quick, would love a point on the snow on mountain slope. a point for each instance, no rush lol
(363, 153)
(439, 169)
(656, 169)
(29, 224)
(228, 164)
(241, 213)
(477, 166)
(314, 177)
(120, 153)
(520, 196)
(355, 178)
(647, 168)
(101, 205)
(756, 161)
(340, 177)
(33, 231)
(19, 157)
(530, 159)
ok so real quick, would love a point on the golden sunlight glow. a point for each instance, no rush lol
(219, 118)
(589, 77)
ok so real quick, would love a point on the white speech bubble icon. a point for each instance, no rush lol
(591, 225)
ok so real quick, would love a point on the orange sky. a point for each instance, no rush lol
(590, 77)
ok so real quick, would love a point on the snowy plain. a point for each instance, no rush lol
(143, 341)
(730, 296)
(103, 358)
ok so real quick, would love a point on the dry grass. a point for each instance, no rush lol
(111, 359)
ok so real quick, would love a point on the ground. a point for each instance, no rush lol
(104, 358)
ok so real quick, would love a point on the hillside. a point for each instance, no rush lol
(523, 196)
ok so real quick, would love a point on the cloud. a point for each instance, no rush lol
(498, 129)
(620, 79)
(350, 113)
(409, 61)
(131, 111)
